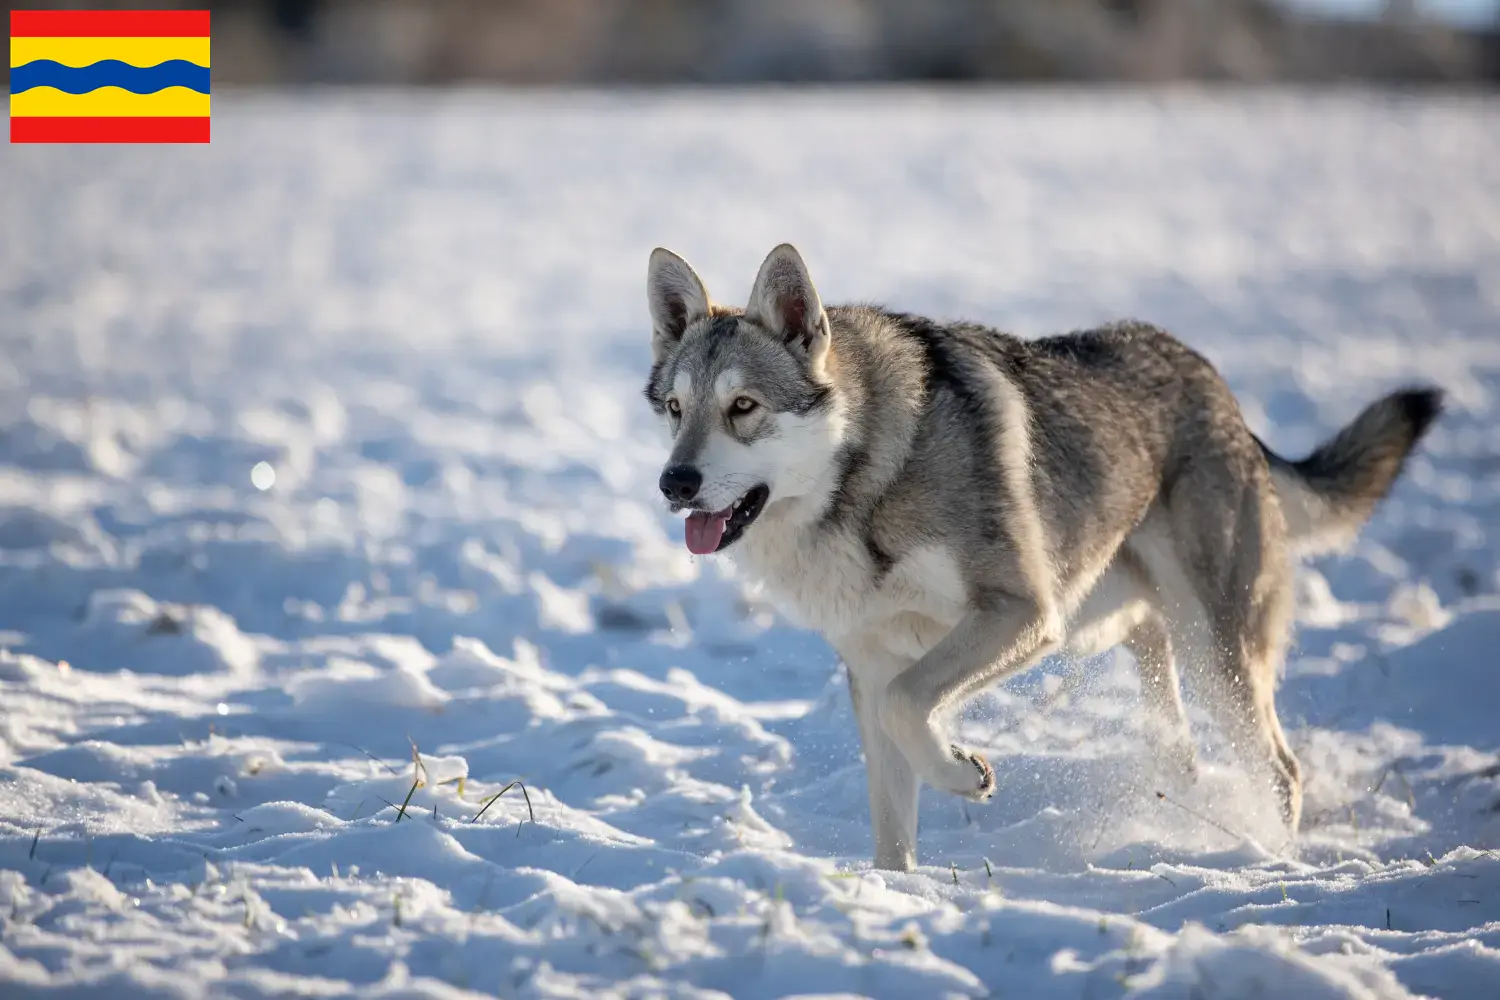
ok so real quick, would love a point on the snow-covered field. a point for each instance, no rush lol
(425, 316)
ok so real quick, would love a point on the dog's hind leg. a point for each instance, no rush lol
(1216, 551)
(1251, 616)
(1243, 705)
(1252, 636)
(1151, 646)
(1121, 610)
(893, 784)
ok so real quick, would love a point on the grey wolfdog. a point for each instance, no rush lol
(948, 504)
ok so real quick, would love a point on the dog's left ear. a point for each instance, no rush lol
(785, 302)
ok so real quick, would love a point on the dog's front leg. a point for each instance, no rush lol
(991, 642)
(893, 784)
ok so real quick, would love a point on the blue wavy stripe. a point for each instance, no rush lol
(109, 73)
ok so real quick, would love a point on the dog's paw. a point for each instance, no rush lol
(984, 787)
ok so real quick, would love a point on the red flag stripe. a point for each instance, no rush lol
(109, 130)
(108, 23)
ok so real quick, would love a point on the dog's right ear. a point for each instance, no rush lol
(677, 299)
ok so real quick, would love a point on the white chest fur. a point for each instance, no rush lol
(826, 580)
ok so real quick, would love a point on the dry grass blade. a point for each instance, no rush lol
(401, 814)
(369, 755)
(493, 798)
(418, 779)
(1163, 796)
(419, 769)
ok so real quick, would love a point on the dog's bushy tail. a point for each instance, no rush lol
(1328, 495)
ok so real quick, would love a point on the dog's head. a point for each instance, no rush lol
(746, 396)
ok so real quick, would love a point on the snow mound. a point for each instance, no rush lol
(126, 630)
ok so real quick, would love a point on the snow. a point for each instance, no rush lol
(250, 722)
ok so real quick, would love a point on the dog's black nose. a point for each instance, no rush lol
(680, 483)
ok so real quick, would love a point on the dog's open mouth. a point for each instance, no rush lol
(709, 531)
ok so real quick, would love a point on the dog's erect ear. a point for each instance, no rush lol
(785, 302)
(676, 296)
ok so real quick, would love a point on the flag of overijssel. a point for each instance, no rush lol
(109, 76)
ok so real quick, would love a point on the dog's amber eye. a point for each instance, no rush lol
(743, 404)
(674, 407)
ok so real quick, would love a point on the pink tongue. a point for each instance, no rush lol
(703, 531)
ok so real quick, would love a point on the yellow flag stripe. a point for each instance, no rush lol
(109, 102)
(87, 51)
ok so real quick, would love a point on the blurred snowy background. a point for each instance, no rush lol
(745, 41)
